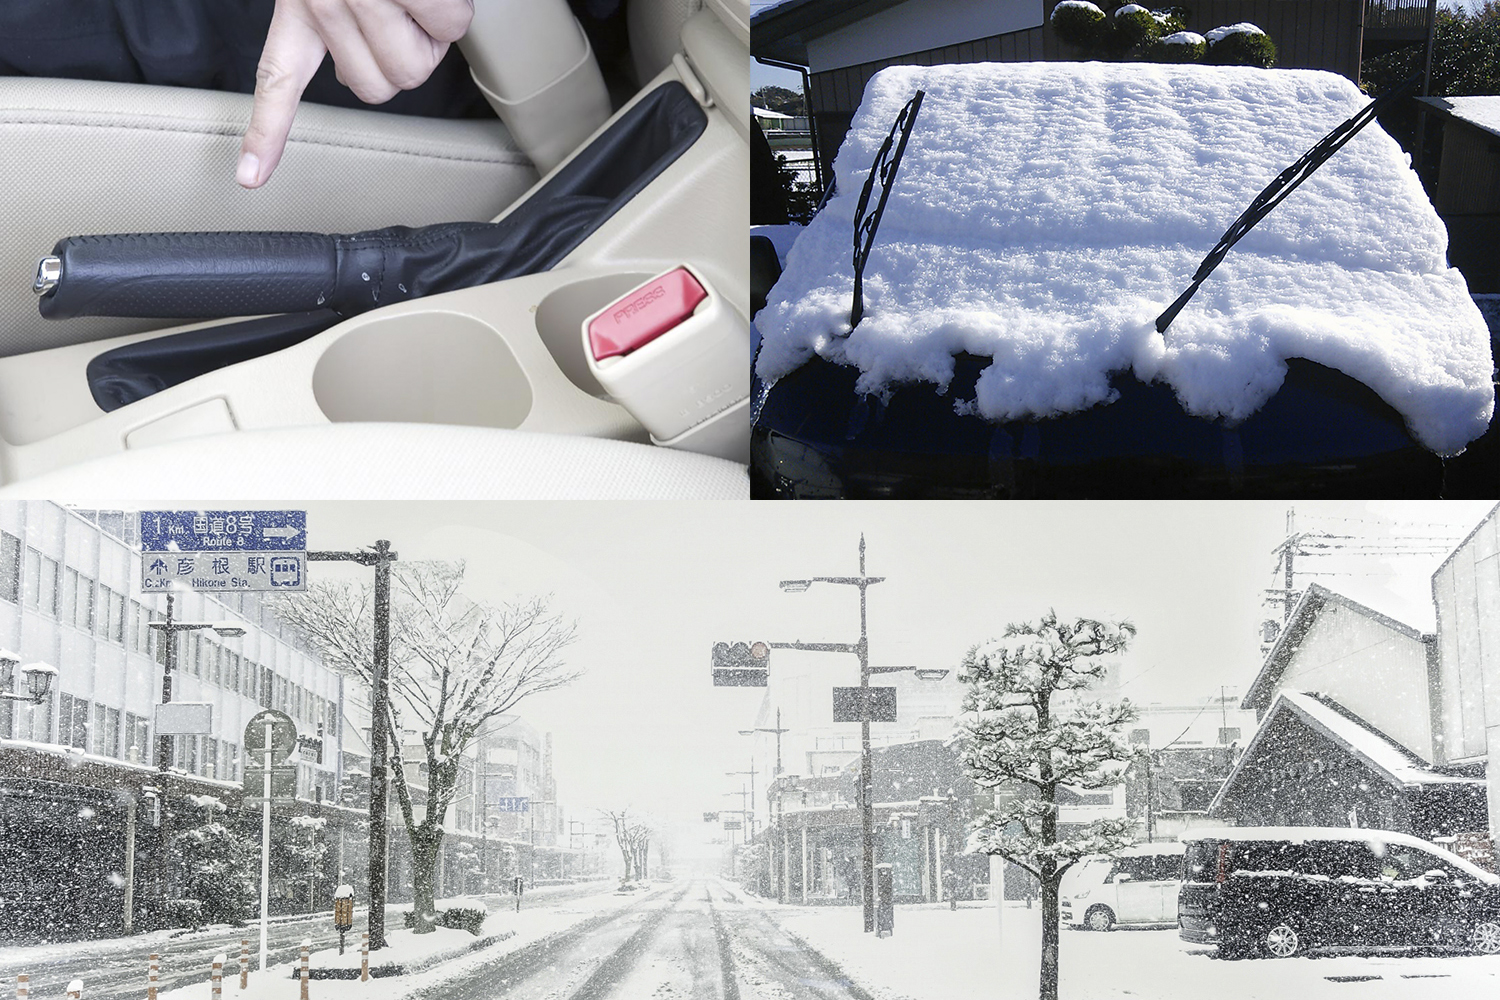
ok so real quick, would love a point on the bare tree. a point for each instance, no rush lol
(633, 837)
(454, 665)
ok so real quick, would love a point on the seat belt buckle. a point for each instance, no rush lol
(675, 354)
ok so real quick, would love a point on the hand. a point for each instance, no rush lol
(379, 47)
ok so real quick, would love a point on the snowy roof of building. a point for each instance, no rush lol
(767, 113)
(1378, 749)
(1046, 213)
(1311, 605)
(1468, 538)
(1482, 112)
(1382, 754)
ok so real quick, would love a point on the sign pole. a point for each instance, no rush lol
(265, 848)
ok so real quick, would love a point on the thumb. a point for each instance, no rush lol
(293, 53)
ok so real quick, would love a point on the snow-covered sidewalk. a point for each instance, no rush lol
(441, 956)
(939, 954)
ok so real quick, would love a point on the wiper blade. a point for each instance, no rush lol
(885, 166)
(1284, 184)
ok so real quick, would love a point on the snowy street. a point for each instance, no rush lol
(696, 940)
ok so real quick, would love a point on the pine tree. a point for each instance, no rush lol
(1027, 731)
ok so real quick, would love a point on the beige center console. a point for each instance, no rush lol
(510, 355)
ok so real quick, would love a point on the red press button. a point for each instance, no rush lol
(645, 314)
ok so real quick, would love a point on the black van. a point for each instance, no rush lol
(1283, 891)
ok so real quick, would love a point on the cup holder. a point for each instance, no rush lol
(422, 367)
(560, 317)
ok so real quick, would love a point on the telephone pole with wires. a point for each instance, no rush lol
(1323, 545)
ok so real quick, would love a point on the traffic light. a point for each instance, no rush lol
(741, 664)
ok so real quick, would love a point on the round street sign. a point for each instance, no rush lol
(283, 737)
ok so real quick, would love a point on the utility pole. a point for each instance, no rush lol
(381, 558)
(866, 761)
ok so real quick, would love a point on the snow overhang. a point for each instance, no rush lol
(1046, 213)
(1394, 763)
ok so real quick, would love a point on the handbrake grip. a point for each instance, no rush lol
(191, 275)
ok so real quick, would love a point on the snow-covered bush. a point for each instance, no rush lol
(1135, 25)
(217, 866)
(464, 918)
(1240, 44)
(1079, 23)
(1180, 47)
(1133, 31)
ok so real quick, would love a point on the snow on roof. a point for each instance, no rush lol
(766, 113)
(1481, 111)
(1046, 213)
(1373, 746)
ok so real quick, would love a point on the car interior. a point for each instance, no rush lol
(492, 383)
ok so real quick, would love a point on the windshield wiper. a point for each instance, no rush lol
(1282, 186)
(885, 166)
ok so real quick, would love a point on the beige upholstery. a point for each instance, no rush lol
(655, 27)
(78, 157)
(392, 461)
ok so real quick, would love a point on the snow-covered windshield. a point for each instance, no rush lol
(1045, 213)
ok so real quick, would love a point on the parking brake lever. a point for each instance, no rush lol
(213, 275)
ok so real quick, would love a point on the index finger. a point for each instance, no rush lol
(293, 53)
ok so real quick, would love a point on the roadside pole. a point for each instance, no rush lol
(265, 848)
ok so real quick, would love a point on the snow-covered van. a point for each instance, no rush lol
(1283, 891)
(1137, 886)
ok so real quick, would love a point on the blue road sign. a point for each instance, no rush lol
(223, 530)
(514, 804)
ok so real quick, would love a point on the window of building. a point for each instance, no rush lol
(78, 600)
(31, 581)
(69, 595)
(39, 585)
(210, 757)
(138, 735)
(107, 731)
(267, 687)
(73, 721)
(10, 567)
(158, 644)
(7, 707)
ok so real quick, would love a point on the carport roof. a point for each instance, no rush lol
(781, 32)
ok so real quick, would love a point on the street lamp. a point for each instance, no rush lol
(38, 679)
(169, 629)
(862, 650)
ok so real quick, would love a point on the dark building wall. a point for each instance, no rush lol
(1296, 776)
(835, 95)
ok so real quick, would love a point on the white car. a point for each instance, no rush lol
(1137, 887)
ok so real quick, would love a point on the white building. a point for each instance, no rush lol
(70, 596)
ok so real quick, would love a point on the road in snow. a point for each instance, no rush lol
(695, 941)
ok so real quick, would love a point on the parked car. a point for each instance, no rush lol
(1138, 886)
(1282, 891)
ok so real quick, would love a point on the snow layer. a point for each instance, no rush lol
(1183, 38)
(1482, 111)
(1243, 28)
(938, 954)
(1046, 213)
